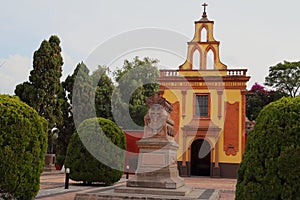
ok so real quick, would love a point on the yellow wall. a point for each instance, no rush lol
(229, 95)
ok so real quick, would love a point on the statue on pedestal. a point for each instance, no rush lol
(157, 163)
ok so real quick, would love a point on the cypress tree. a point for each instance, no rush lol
(270, 167)
(44, 87)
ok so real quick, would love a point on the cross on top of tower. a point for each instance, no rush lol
(204, 12)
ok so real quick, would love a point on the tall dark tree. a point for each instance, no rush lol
(136, 80)
(85, 95)
(258, 97)
(82, 101)
(66, 128)
(104, 90)
(81, 93)
(44, 87)
(285, 77)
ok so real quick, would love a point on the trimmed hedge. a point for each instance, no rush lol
(23, 144)
(270, 168)
(83, 165)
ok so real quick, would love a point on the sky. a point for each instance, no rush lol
(253, 34)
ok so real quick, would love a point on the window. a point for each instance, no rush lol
(196, 59)
(210, 60)
(202, 106)
(203, 35)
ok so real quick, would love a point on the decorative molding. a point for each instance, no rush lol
(216, 165)
(183, 93)
(231, 128)
(175, 116)
(243, 92)
(184, 149)
(199, 83)
(220, 93)
(201, 128)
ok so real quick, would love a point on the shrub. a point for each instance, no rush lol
(84, 165)
(23, 143)
(270, 167)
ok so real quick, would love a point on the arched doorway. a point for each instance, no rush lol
(200, 158)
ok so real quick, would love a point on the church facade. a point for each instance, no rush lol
(208, 102)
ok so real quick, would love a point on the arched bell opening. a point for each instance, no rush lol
(203, 35)
(210, 60)
(196, 59)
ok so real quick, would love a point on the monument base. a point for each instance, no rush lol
(182, 193)
(49, 161)
(163, 183)
(157, 166)
(165, 178)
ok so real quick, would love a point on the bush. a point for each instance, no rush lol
(84, 165)
(270, 168)
(23, 143)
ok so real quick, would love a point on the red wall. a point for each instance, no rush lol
(132, 149)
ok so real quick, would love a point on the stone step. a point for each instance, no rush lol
(182, 191)
(195, 194)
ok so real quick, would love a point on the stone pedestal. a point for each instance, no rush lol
(49, 163)
(157, 165)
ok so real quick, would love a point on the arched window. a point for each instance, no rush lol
(196, 59)
(203, 35)
(210, 60)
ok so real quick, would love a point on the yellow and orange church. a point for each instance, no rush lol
(208, 102)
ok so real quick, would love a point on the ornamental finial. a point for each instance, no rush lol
(204, 15)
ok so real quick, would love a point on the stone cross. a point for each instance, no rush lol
(205, 5)
(204, 12)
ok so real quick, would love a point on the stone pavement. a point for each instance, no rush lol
(53, 184)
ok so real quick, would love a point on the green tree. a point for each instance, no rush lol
(82, 93)
(258, 97)
(270, 167)
(44, 87)
(84, 165)
(136, 80)
(104, 91)
(66, 128)
(86, 84)
(285, 77)
(23, 144)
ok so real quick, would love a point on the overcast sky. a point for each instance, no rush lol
(253, 34)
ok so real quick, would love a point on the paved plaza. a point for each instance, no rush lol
(53, 186)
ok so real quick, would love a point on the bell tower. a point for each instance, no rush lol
(203, 45)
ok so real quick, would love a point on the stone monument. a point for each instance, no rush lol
(157, 162)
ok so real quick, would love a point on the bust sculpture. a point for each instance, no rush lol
(157, 121)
